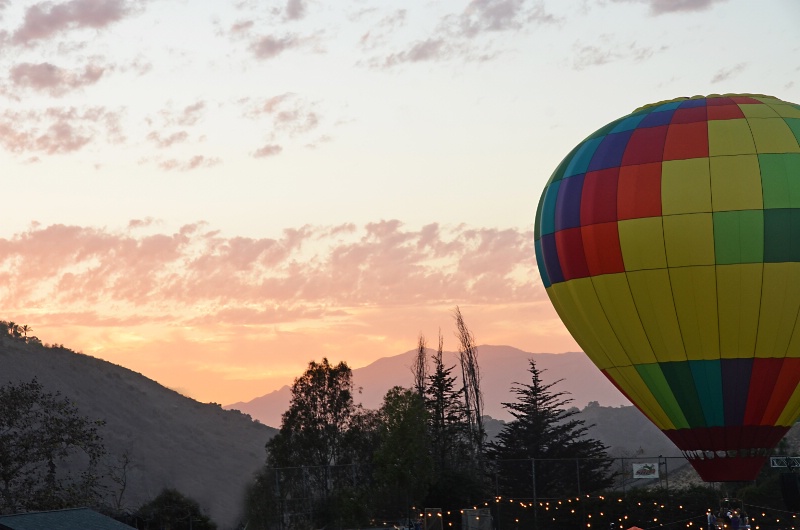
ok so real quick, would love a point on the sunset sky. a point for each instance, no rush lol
(213, 193)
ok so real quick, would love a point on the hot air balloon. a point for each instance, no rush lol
(669, 244)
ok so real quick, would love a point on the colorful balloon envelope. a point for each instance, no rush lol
(669, 243)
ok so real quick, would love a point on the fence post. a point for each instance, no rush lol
(535, 502)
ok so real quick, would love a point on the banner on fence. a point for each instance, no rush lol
(649, 470)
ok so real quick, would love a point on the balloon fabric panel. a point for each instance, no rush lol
(669, 243)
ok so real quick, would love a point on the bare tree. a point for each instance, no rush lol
(420, 367)
(471, 376)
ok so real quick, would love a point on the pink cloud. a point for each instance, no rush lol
(138, 295)
(268, 150)
(295, 9)
(501, 15)
(661, 7)
(289, 115)
(56, 130)
(46, 77)
(307, 268)
(269, 47)
(195, 162)
(169, 140)
(43, 20)
(457, 35)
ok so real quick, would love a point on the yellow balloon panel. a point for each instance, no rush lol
(773, 136)
(730, 137)
(739, 302)
(588, 324)
(780, 303)
(652, 294)
(689, 239)
(614, 293)
(642, 243)
(736, 183)
(695, 293)
(685, 186)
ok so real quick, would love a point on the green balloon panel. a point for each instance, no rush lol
(669, 244)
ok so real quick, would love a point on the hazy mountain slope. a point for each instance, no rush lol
(500, 367)
(202, 450)
(627, 432)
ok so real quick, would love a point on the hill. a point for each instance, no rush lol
(500, 367)
(173, 441)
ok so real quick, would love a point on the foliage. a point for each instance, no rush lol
(544, 430)
(314, 427)
(456, 480)
(262, 505)
(322, 448)
(402, 458)
(48, 451)
(171, 509)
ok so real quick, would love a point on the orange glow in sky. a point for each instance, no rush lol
(215, 193)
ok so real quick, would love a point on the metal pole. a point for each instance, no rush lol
(535, 503)
(278, 495)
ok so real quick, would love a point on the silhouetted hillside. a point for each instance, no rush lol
(200, 449)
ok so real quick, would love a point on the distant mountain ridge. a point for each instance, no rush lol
(207, 453)
(500, 368)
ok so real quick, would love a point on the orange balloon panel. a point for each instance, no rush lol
(669, 244)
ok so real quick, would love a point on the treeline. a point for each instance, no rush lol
(21, 333)
(334, 463)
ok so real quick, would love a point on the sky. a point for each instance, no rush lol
(215, 193)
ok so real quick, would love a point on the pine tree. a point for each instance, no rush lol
(547, 439)
(455, 480)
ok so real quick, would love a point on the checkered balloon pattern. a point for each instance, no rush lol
(669, 244)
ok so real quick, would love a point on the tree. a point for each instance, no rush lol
(542, 429)
(313, 429)
(402, 459)
(322, 446)
(455, 479)
(48, 451)
(471, 378)
(171, 509)
(420, 366)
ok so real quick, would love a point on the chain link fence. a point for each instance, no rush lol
(298, 496)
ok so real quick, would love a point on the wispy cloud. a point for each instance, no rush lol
(194, 162)
(306, 269)
(45, 20)
(724, 74)
(288, 116)
(662, 7)
(605, 50)
(51, 79)
(57, 130)
(459, 35)
(296, 9)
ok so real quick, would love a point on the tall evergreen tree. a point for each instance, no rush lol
(546, 439)
(456, 481)
(447, 417)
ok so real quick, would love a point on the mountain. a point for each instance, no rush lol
(500, 368)
(205, 452)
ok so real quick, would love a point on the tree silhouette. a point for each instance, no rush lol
(543, 429)
(171, 509)
(39, 433)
